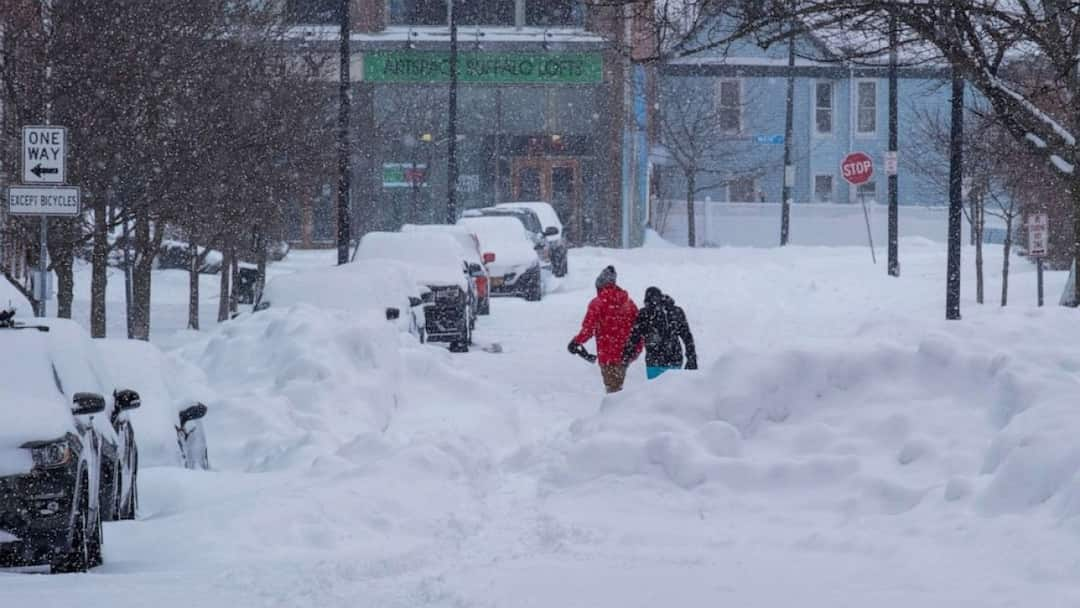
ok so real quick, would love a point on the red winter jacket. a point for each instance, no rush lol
(610, 319)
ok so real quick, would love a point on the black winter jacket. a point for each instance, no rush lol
(662, 325)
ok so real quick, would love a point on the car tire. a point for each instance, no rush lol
(93, 544)
(77, 559)
(535, 291)
(130, 507)
(484, 307)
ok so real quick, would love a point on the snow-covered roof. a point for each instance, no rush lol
(441, 34)
(433, 259)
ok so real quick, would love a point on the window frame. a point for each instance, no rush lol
(520, 18)
(816, 108)
(871, 198)
(738, 103)
(832, 188)
(858, 107)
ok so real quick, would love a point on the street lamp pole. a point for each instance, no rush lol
(344, 231)
(451, 123)
(789, 132)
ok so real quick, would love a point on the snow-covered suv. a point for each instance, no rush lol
(63, 464)
(436, 263)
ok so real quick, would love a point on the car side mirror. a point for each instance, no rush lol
(85, 404)
(489, 257)
(475, 269)
(393, 314)
(415, 301)
(194, 412)
(127, 399)
(551, 231)
(261, 306)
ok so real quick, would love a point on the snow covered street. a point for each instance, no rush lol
(841, 446)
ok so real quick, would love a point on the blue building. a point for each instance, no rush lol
(840, 107)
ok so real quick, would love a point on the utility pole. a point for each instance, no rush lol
(42, 295)
(451, 123)
(344, 231)
(956, 203)
(891, 164)
(789, 130)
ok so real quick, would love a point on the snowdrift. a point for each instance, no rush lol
(295, 383)
(874, 429)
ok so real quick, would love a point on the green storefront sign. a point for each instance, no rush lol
(485, 68)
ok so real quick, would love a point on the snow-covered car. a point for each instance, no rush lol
(553, 232)
(383, 288)
(436, 264)
(63, 464)
(470, 246)
(530, 221)
(515, 270)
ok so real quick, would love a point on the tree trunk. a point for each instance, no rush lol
(691, 236)
(1005, 262)
(193, 284)
(145, 253)
(1074, 192)
(99, 273)
(234, 293)
(65, 285)
(979, 228)
(226, 274)
(261, 254)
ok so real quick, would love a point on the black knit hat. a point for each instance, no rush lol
(607, 277)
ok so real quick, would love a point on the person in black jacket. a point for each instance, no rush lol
(661, 325)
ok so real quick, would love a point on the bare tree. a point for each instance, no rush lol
(702, 135)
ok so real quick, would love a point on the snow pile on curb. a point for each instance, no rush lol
(870, 429)
(295, 384)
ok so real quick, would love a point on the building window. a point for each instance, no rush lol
(742, 190)
(866, 121)
(867, 192)
(823, 188)
(535, 13)
(730, 105)
(554, 13)
(486, 12)
(823, 108)
(419, 12)
(313, 12)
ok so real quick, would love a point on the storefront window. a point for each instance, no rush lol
(313, 12)
(553, 13)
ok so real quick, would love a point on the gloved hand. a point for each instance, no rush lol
(573, 347)
(691, 364)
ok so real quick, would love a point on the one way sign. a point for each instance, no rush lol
(44, 155)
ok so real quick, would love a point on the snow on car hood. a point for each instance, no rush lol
(507, 239)
(39, 374)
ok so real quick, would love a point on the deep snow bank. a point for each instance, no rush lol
(874, 428)
(296, 383)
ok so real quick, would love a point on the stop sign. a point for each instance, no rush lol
(857, 168)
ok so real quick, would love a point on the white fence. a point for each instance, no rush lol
(758, 224)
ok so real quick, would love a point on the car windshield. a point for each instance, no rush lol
(527, 218)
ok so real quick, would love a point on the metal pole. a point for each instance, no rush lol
(789, 130)
(869, 234)
(894, 203)
(1039, 277)
(344, 230)
(42, 295)
(956, 176)
(451, 155)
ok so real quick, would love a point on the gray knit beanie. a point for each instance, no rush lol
(607, 277)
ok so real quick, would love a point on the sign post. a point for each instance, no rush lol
(42, 193)
(857, 168)
(1038, 246)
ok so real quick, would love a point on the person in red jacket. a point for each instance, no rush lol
(609, 320)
